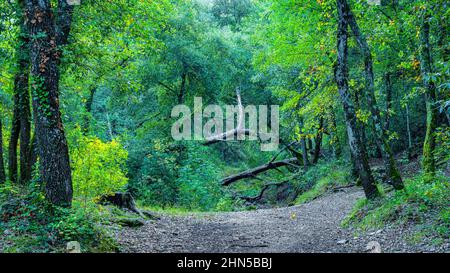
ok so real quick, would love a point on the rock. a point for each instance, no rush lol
(342, 242)
(130, 222)
(8, 232)
(73, 247)
(373, 247)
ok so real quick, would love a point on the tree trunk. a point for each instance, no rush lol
(388, 83)
(381, 137)
(88, 109)
(318, 142)
(52, 144)
(335, 137)
(2, 166)
(443, 33)
(182, 88)
(309, 147)
(24, 105)
(360, 126)
(408, 129)
(429, 145)
(304, 148)
(13, 141)
(22, 114)
(341, 77)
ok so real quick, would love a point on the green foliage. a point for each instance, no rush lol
(200, 189)
(442, 152)
(322, 178)
(98, 167)
(129, 62)
(423, 204)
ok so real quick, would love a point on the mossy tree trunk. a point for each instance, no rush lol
(429, 164)
(47, 35)
(13, 142)
(2, 166)
(388, 83)
(341, 76)
(381, 137)
(21, 121)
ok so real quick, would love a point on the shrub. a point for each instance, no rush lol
(98, 167)
(198, 176)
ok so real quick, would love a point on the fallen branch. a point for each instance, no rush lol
(255, 171)
(236, 132)
(263, 190)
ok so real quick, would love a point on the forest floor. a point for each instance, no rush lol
(310, 227)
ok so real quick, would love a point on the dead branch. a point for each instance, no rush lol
(255, 171)
(263, 190)
(236, 132)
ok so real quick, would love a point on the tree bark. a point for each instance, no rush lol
(309, 146)
(408, 130)
(388, 83)
(318, 142)
(341, 77)
(21, 128)
(335, 137)
(52, 144)
(63, 25)
(182, 87)
(2, 166)
(429, 145)
(381, 138)
(304, 148)
(13, 141)
(88, 109)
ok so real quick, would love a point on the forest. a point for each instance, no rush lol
(101, 103)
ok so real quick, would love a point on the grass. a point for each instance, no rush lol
(424, 205)
(321, 178)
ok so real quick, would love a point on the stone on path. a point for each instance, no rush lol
(73, 247)
(373, 247)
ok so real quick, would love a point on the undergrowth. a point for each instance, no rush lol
(28, 223)
(321, 178)
(424, 205)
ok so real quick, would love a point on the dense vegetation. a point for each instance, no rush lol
(87, 92)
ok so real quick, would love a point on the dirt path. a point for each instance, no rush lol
(311, 227)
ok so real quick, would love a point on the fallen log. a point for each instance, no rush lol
(252, 173)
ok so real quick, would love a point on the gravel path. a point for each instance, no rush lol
(311, 227)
